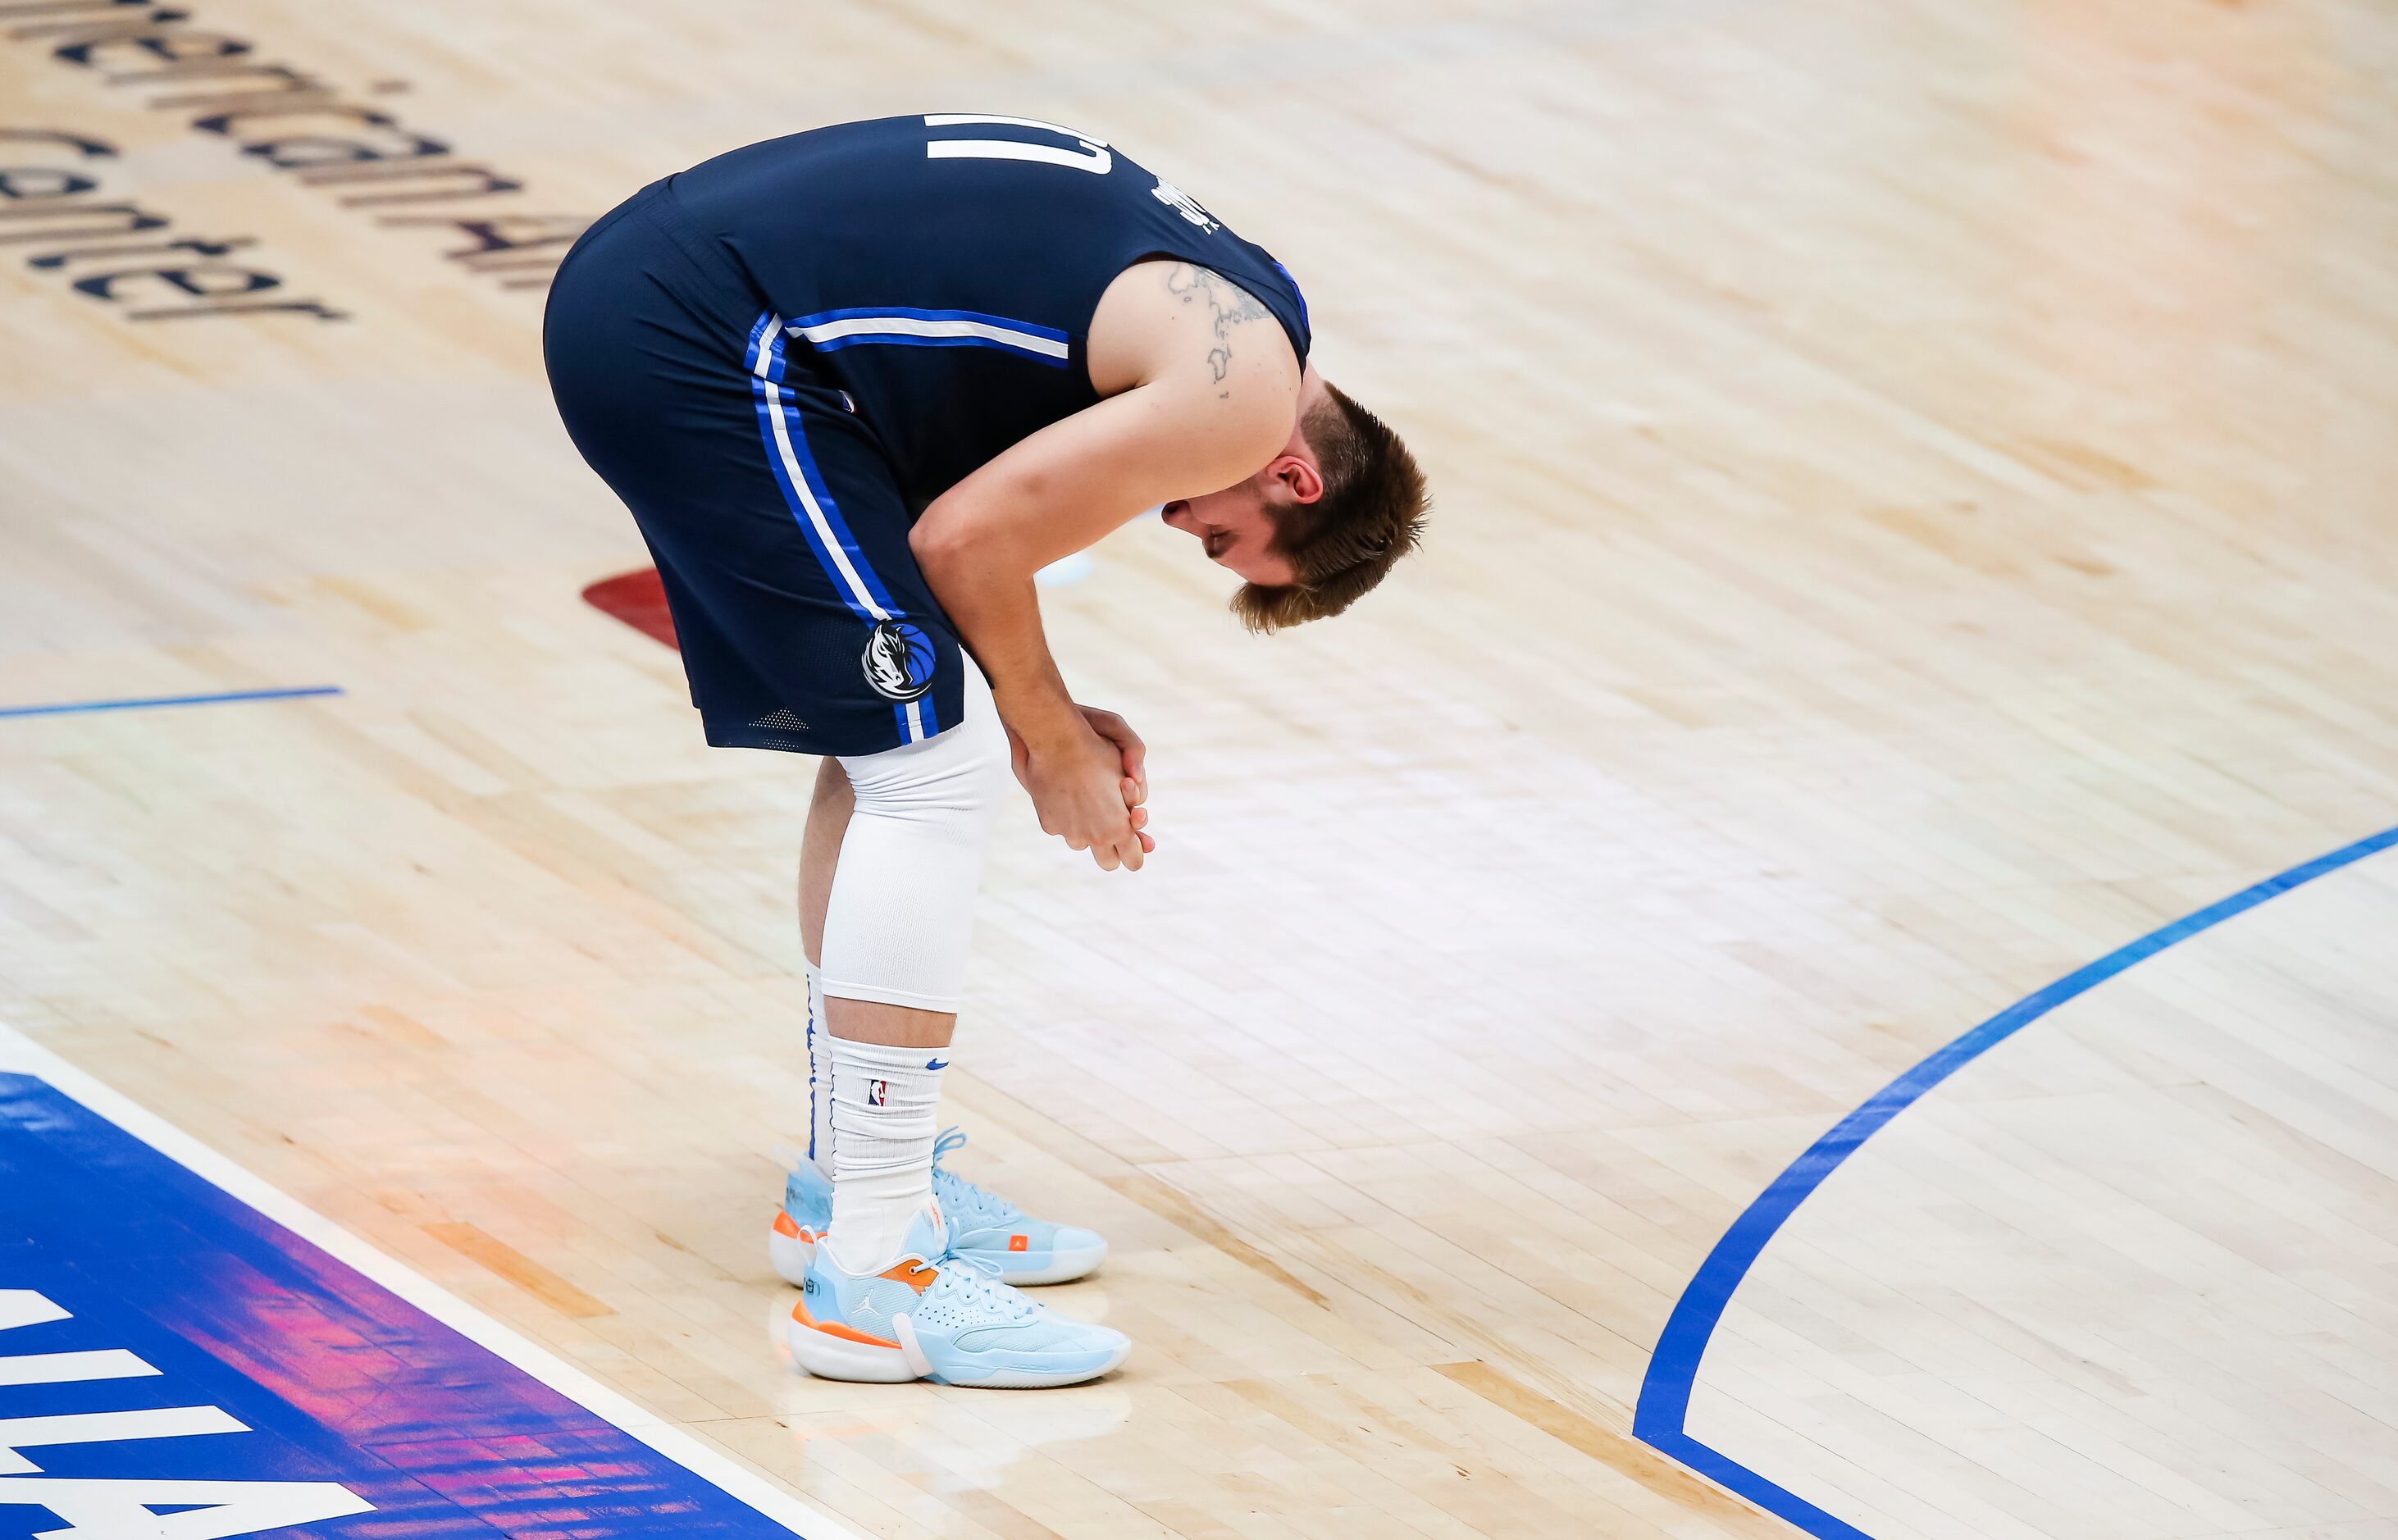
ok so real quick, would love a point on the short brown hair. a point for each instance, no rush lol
(1371, 513)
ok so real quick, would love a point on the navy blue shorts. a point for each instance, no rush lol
(768, 504)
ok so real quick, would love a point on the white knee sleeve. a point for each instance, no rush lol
(902, 909)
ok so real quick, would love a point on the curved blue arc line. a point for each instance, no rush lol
(1673, 1368)
(143, 702)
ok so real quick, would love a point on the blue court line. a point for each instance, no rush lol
(135, 704)
(1665, 1389)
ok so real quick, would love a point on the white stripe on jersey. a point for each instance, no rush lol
(909, 325)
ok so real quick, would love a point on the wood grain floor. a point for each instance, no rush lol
(2126, 1276)
(1915, 512)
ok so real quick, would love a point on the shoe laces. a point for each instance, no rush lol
(974, 1282)
(961, 1199)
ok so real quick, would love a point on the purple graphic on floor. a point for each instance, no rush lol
(175, 1365)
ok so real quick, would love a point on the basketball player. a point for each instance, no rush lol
(857, 386)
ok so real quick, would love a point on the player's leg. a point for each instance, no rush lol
(898, 923)
(828, 812)
(806, 1209)
(885, 1296)
(984, 1226)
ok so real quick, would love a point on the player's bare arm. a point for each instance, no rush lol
(1200, 388)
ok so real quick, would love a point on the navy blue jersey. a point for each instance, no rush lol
(944, 269)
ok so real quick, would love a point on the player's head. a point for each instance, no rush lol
(1319, 525)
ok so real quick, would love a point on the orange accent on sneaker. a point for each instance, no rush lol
(914, 1274)
(785, 1225)
(834, 1329)
(1019, 1243)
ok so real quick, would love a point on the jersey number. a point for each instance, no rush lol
(1093, 156)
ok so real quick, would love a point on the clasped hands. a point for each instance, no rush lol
(1088, 783)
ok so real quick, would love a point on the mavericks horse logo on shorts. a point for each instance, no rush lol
(898, 660)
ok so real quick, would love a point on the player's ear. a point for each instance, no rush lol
(1297, 477)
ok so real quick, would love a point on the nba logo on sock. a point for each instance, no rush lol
(876, 1090)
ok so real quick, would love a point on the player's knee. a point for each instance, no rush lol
(953, 780)
(962, 775)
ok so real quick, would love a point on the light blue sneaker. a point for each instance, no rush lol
(800, 1221)
(931, 1316)
(1018, 1249)
(984, 1227)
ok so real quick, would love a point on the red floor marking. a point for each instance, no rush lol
(639, 600)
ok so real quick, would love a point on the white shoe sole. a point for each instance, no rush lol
(831, 1358)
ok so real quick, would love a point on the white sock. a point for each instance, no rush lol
(884, 1116)
(819, 1077)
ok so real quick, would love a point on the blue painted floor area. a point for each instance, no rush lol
(1661, 1417)
(144, 1312)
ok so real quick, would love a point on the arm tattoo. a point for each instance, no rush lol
(1228, 305)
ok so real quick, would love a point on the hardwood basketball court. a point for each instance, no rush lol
(1914, 516)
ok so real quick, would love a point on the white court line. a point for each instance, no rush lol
(22, 1055)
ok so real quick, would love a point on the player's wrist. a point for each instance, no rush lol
(1046, 725)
